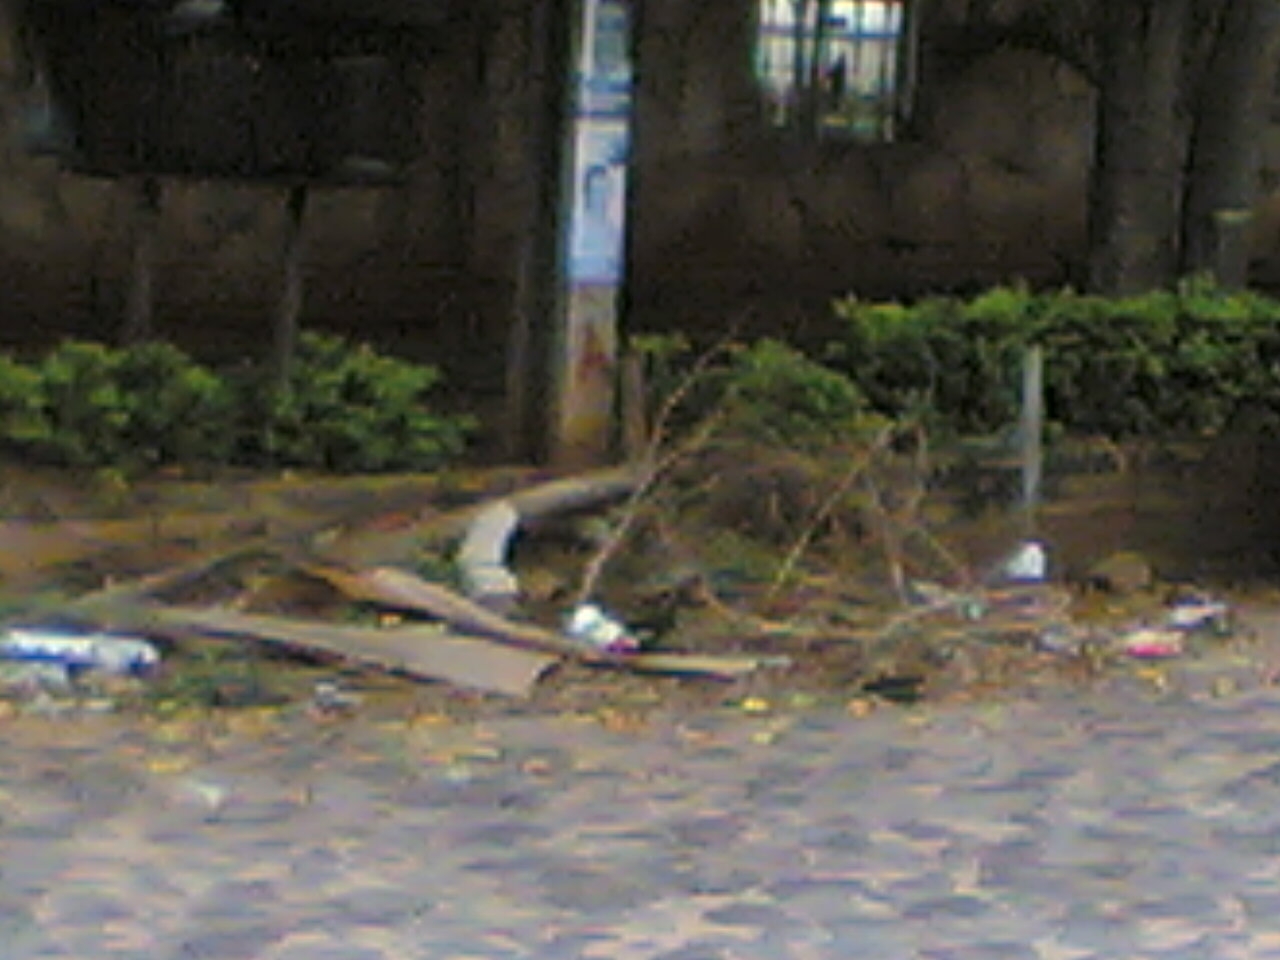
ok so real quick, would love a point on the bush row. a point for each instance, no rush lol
(343, 408)
(1167, 363)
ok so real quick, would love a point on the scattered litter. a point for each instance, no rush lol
(1152, 643)
(593, 626)
(903, 688)
(209, 797)
(478, 637)
(1195, 612)
(1063, 638)
(76, 652)
(328, 697)
(926, 593)
(1028, 563)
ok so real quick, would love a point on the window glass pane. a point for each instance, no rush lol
(832, 63)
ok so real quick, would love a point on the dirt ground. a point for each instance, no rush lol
(64, 535)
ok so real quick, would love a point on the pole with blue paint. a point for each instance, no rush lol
(597, 157)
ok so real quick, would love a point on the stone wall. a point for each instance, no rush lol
(389, 260)
(989, 184)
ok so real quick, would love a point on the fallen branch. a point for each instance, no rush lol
(728, 666)
(401, 590)
(826, 508)
(369, 547)
(651, 466)
(142, 589)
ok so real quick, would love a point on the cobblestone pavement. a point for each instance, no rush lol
(1139, 818)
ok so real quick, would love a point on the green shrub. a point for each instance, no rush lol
(141, 407)
(1165, 363)
(778, 396)
(22, 420)
(767, 392)
(343, 408)
(347, 408)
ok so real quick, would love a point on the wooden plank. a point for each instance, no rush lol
(402, 590)
(422, 652)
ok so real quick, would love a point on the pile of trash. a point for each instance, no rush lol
(1019, 601)
(470, 636)
(471, 633)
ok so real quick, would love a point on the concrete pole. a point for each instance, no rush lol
(594, 183)
(1032, 434)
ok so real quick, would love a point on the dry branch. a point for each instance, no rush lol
(401, 590)
(840, 491)
(366, 546)
(651, 464)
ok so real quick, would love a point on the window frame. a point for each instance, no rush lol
(867, 106)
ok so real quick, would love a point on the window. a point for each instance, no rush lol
(835, 68)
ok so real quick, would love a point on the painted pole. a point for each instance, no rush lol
(595, 158)
(1031, 434)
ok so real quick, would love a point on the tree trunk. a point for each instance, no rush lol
(1135, 193)
(289, 306)
(1235, 92)
(140, 299)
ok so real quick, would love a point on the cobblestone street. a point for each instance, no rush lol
(1137, 818)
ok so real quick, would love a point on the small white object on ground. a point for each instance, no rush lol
(1199, 613)
(592, 625)
(329, 696)
(109, 653)
(1028, 563)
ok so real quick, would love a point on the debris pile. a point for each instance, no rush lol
(471, 637)
(358, 594)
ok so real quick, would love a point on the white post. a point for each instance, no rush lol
(1031, 433)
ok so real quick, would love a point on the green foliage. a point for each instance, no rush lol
(146, 406)
(22, 420)
(344, 408)
(1165, 363)
(771, 439)
(778, 396)
(347, 408)
(214, 676)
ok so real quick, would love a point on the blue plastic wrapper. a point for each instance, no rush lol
(103, 652)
